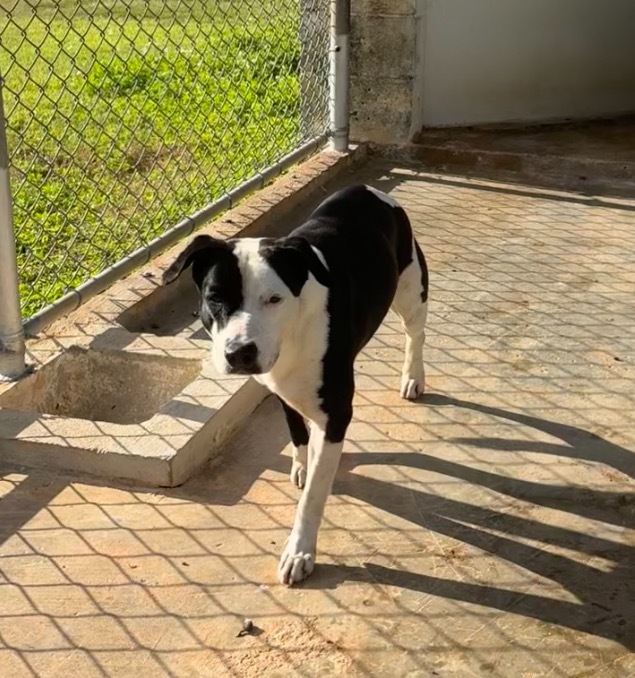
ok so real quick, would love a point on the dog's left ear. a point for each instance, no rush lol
(293, 259)
(201, 246)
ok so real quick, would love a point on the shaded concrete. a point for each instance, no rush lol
(102, 386)
(596, 157)
(487, 530)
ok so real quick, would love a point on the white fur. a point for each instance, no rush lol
(267, 325)
(320, 256)
(384, 197)
(298, 558)
(291, 337)
(297, 374)
(299, 466)
(413, 314)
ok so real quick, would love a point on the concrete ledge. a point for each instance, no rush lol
(588, 157)
(122, 387)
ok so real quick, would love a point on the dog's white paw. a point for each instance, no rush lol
(296, 563)
(298, 474)
(412, 388)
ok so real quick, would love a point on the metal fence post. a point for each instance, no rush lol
(12, 348)
(339, 81)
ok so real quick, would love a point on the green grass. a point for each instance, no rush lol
(124, 120)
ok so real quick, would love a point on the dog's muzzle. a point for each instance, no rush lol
(242, 358)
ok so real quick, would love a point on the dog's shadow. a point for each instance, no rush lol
(606, 606)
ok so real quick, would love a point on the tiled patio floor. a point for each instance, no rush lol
(488, 530)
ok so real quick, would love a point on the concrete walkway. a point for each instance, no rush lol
(488, 530)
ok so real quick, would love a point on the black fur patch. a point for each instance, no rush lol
(293, 259)
(217, 275)
(424, 272)
(366, 244)
(297, 426)
(202, 248)
(221, 287)
(403, 241)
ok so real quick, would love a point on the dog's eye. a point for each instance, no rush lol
(213, 298)
(274, 299)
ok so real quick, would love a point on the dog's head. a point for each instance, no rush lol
(251, 295)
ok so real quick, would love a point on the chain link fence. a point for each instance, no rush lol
(125, 116)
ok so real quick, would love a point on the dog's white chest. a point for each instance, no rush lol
(299, 389)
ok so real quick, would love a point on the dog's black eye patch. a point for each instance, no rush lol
(222, 289)
(214, 297)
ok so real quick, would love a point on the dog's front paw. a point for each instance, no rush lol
(296, 563)
(412, 388)
(298, 474)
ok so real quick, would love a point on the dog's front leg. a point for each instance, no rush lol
(298, 558)
(300, 439)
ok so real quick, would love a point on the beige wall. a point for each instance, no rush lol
(384, 65)
(457, 62)
(506, 60)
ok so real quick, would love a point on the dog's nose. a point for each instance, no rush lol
(243, 357)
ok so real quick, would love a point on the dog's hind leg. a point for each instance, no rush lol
(411, 305)
(300, 439)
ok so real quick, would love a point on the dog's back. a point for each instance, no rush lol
(366, 240)
(358, 220)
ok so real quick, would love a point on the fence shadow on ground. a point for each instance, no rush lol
(501, 501)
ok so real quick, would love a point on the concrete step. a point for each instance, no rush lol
(593, 158)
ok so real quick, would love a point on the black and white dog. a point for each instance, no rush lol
(295, 312)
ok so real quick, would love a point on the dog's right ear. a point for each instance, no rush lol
(202, 247)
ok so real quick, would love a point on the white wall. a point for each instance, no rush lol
(511, 60)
